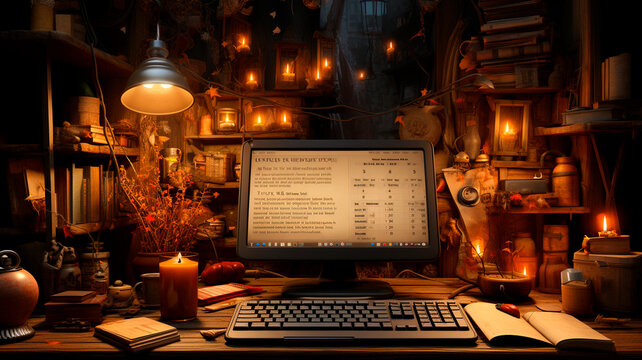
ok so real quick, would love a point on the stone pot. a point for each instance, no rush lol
(512, 287)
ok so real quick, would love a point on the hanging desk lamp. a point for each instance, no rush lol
(156, 87)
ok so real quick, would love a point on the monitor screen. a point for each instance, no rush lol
(330, 200)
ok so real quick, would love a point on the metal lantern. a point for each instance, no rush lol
(372, 13)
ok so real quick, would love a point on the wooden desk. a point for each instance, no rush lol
(52, 345)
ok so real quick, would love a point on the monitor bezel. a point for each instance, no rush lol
(429, 252)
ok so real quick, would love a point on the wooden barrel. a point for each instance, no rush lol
(555, 238)
(566, 184)
(84, 110)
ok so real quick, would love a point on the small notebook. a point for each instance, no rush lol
(137, 334)
(210, 294)
(72, 296)
(544, 328)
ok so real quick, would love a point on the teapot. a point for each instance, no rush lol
(119, 295)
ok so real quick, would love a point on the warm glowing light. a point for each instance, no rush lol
(227, 119)
(251, 77)
(242, 45)
(180, 258)
(362, 75)
(525, 274)
(287, 68)
(258, 121)
(390, 46)
(151, 86)
(325, 62)
(285, 119)
(604, 224)
(318, 75)
(478, 250)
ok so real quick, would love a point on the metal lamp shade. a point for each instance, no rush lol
(156, 88)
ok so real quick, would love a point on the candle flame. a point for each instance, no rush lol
(227, 119)
(361, 75)
(180, 258)
(318, 75)
(325, 62)
(243, 40)
(251, 76)
(604, 224)
(525, 274)
(478, 250)
(287, 68)
(285, 120)
(509, 130)
(258, 121)
(390, 45)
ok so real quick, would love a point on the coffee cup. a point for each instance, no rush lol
(148, 290)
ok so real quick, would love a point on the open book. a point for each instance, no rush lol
(545, 328)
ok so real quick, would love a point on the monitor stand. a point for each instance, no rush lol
(337, 279)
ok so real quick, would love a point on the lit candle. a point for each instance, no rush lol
(362, 75)
(390, 51)
(251, 82)
(179, 286)
(318, 75)
(227, 124)
(285, 124)
(525, 273)
(258, 125)
(287, 75)
(479, 252)
(326, 64)
(605, 231)
(242, 46)
(508, 139)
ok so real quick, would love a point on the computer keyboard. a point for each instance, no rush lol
(382, 321)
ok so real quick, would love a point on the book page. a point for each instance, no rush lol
(565, 331)
(497, 325)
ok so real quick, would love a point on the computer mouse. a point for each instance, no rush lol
(509, 309)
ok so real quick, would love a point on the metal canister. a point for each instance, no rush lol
(566, 183)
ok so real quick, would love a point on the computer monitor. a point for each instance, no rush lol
(337, 202)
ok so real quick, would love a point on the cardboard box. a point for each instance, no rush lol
(616, 280)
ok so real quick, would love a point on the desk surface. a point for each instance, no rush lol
(628, 338)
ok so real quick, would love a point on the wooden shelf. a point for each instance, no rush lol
(68, 50)
(615, 126)
(277, 94)
(91, 149)
(551, 210)
(515, 164)
(247, 135)
(80, 229)
(508, 91)
(35, 149)
(227, 185)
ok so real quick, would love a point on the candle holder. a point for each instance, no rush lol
(261, 119)
(179, 286)
(511, 128)
(287, 71)
(285, 120)
(226, 120)
(325, 56)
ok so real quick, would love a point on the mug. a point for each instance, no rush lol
(148, 289)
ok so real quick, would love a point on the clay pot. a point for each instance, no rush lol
(145, 262)
(511, 287)
(18, 298)
(549, 274)
(566, 183)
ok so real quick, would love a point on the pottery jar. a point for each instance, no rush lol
(566, 183)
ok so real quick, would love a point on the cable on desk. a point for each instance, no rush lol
(419, 275)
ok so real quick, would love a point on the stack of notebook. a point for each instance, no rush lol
(137, 334)
(75, 304)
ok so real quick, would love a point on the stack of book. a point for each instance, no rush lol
(516, 43)
(137, 334)
(86, 194)
(75, 304)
